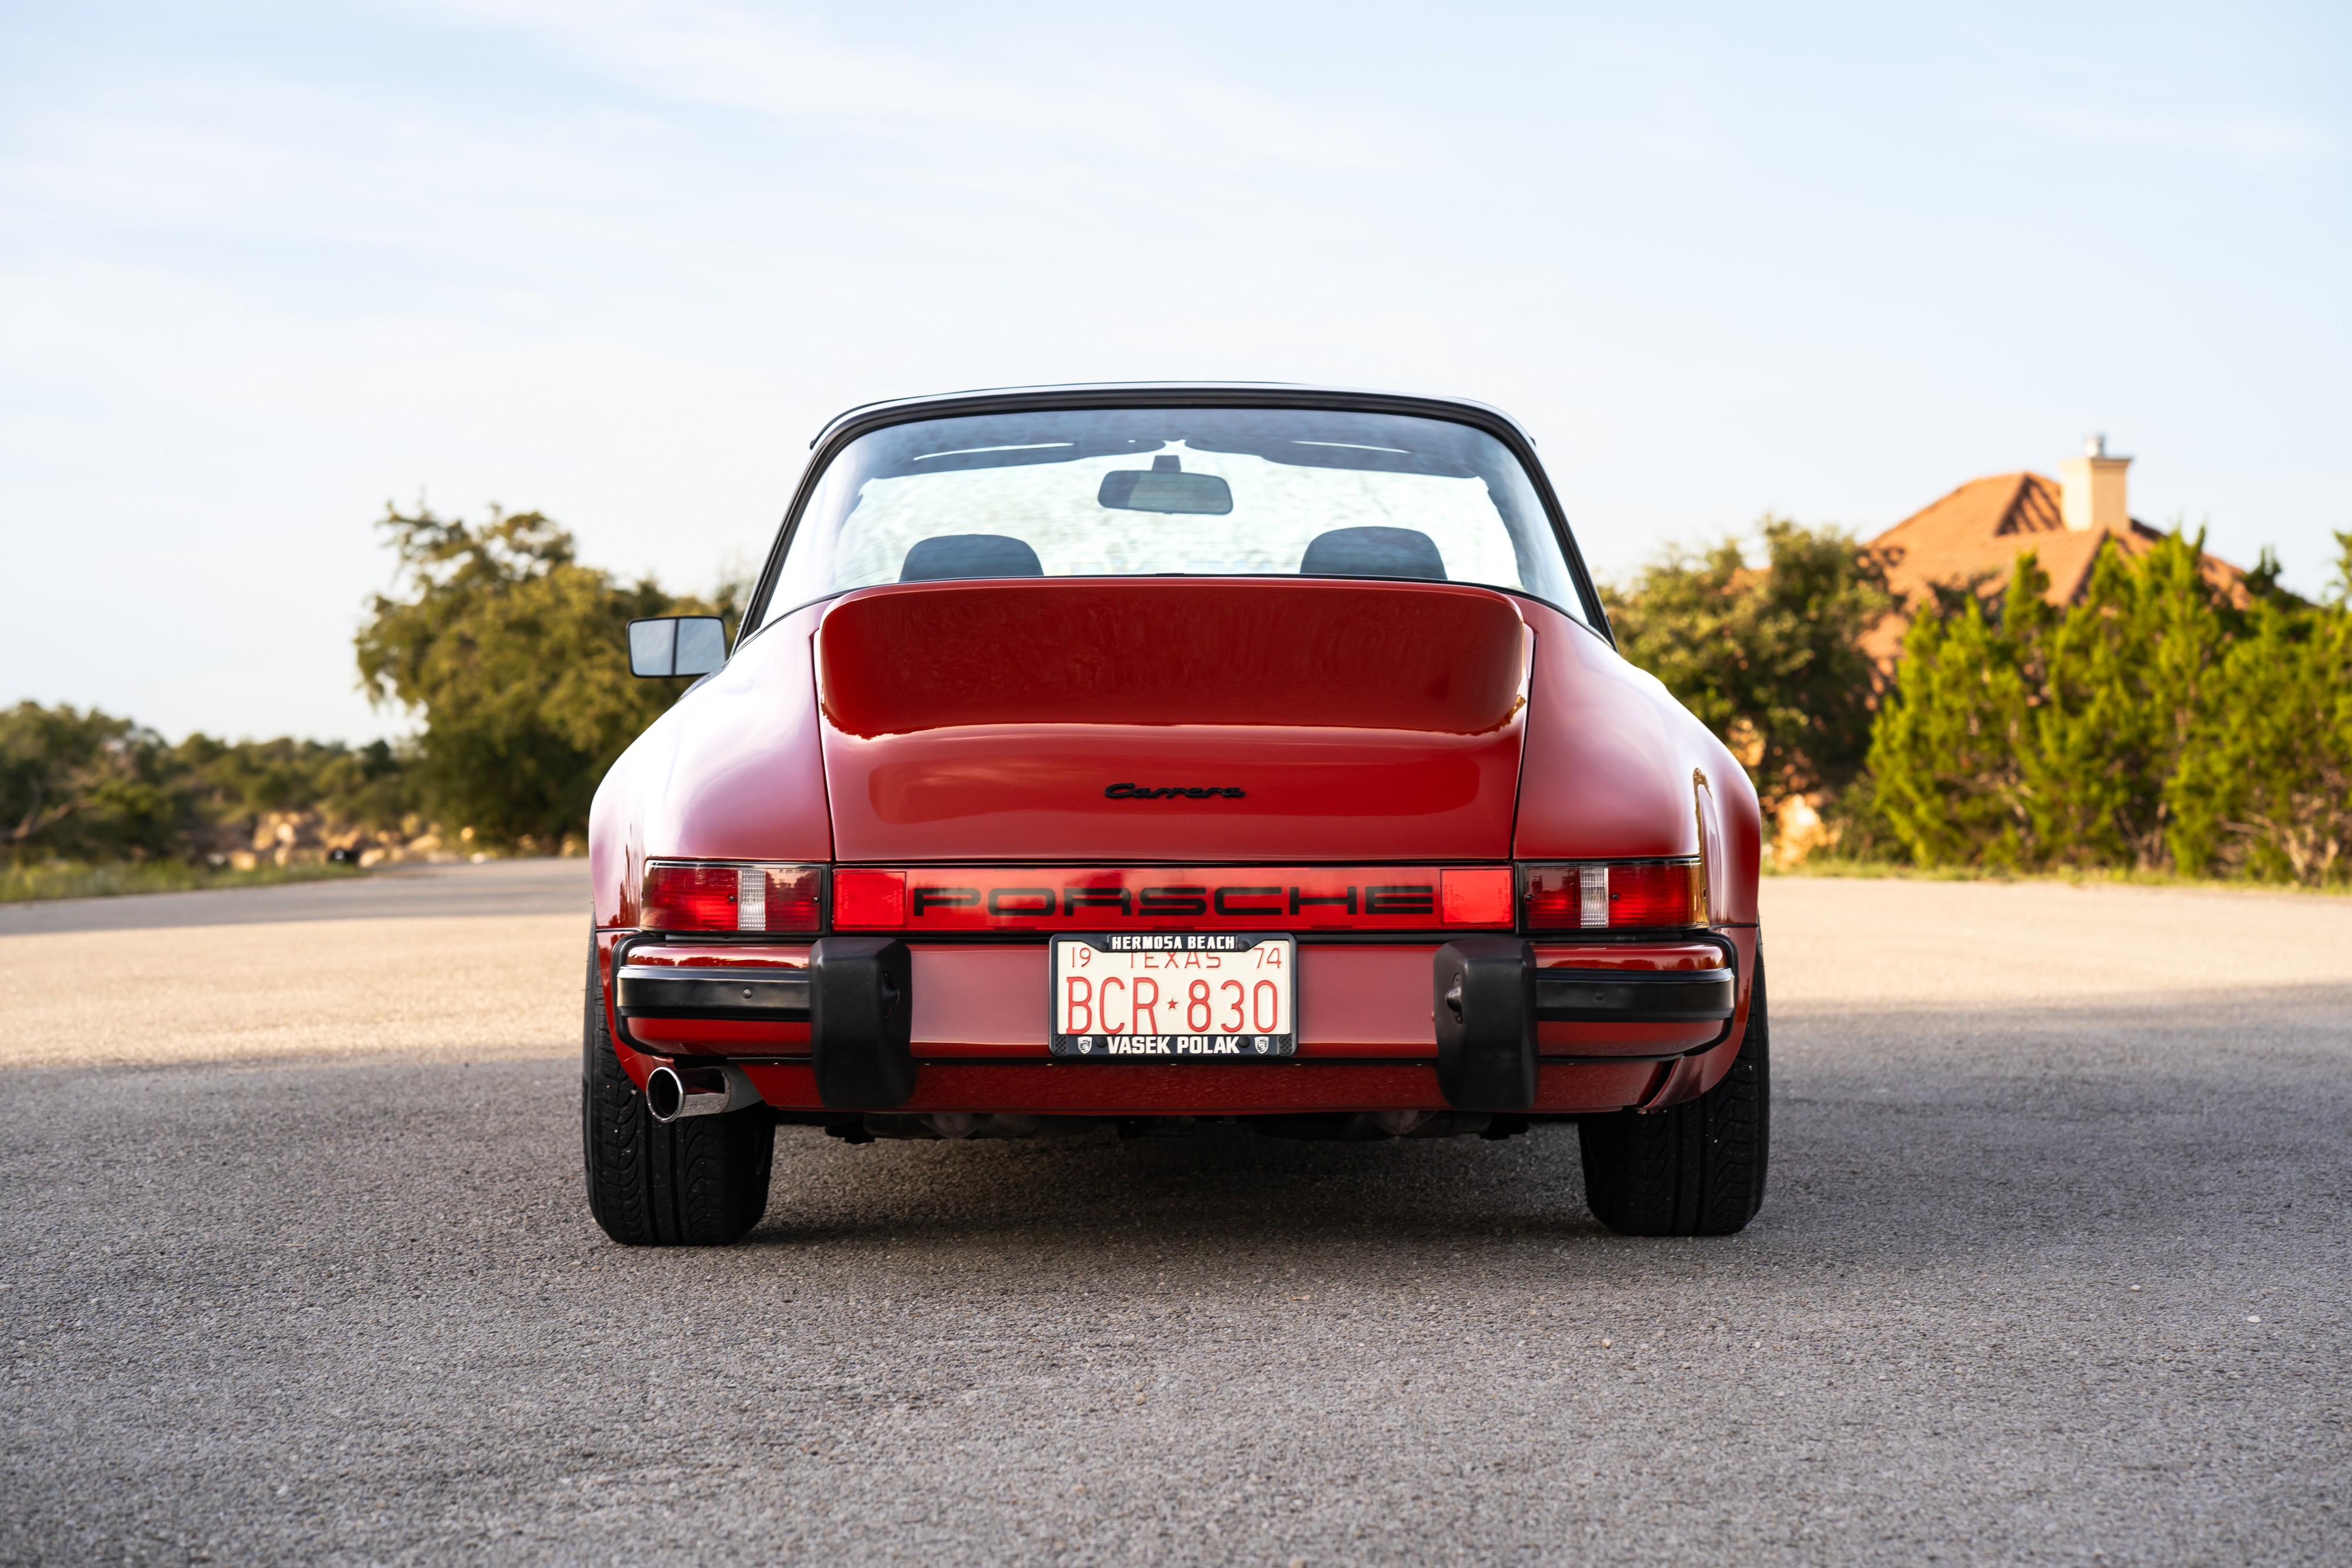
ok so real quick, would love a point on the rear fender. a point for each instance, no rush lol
(1615, 768)
(734, 771)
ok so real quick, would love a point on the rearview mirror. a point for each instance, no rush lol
(1164, 488)
(677, 646)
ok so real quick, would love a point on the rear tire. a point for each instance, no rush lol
(1696, 1169)
(698, 1182)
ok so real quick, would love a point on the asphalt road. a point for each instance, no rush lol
(294, 1267)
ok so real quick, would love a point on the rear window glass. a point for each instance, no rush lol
(1218, 492)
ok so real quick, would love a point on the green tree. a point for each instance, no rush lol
(2125, 675)
(2264, 785)
(1769, 658)
(516, 654)
(1945, 750)
(87, 786)
(370, 786)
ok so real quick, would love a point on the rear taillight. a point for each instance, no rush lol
(706, 896)
(1622, 894)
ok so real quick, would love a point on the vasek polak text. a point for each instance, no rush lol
(1176, 1045)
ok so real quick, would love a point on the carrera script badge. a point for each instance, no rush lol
(1171, 792)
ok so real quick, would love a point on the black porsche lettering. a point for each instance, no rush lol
(1182, 900)
(928, 898)
(1130, 790)
(1419, 898)
(1173, 901)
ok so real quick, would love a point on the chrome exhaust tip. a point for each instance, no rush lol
(672, 1095)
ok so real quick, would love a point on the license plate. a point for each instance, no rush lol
(1186, 995)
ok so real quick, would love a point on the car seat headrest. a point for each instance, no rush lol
(947, 556)
(1373, 552)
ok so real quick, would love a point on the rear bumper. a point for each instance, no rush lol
(1569, 995)
(741, 994)
(1612, 1025)
(1563, 994)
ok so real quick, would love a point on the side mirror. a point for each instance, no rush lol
(677, 646)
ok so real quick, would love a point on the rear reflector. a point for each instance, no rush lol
(869, 900)
(1475, 895)
(703, 896)
(1623, 894)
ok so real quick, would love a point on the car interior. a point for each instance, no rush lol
(1339, 552)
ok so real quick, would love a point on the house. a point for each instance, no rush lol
(1973, 537)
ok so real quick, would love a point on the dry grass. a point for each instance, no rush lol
(77, 879)
(1888, 870)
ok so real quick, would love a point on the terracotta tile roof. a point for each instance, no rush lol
(1973, 537)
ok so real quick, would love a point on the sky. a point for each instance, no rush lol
(265, 268)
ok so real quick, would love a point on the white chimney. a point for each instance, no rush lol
(2092, 494)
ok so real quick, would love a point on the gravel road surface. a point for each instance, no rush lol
(294, 1267)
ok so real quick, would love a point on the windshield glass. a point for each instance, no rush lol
(1150, 492)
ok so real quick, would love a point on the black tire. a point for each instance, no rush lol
(1696, 1169)
(700, 1182)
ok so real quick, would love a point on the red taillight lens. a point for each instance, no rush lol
(794, 895)
(1623, 894)
(692, 898)
(869, 900)
(705, 897)
(1665, 893)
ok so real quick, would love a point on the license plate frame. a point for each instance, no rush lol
(1179, 956)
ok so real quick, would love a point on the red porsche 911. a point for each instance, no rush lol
(1147, 755)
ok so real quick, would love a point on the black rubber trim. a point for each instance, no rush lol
(1713, 938)
(1304, 938)
(1090, 1064)
(620, 1020)
(772, 995)
(1421, 936)
(720, 938)
(1635, 996)
(1099, 1063)
(1402, 937)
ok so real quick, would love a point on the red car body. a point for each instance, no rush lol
(1392, 773)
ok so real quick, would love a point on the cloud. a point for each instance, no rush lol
(1047, 90)
(2254, 139)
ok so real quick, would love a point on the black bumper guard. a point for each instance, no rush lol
(1489, 995)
